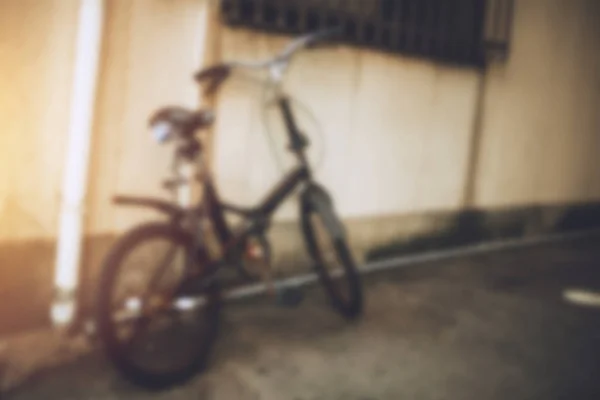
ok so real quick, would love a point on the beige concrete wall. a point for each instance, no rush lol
(36, 60)
(395, 131)
(542, 127)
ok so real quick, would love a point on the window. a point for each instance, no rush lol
(453, 31)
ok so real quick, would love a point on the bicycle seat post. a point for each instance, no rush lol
(185, 170)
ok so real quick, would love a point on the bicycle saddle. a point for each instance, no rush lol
(175, 121)
(213, 77)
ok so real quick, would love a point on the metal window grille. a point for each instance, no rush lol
(452, 31)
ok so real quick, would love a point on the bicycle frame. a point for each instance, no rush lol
(216, 208)
(260, 215)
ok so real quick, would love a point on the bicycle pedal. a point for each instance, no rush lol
(289, 297)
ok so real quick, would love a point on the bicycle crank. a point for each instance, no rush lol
(257, 261)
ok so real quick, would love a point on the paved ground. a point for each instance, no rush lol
(488, 327)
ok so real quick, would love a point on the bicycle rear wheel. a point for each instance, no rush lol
(153, 336)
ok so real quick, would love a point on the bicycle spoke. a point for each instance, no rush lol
(140, 304)
(162, 268)
(140, 326)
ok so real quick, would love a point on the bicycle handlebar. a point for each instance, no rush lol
(287, 53)
(216, 75)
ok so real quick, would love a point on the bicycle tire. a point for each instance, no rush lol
(116, 351)
(352, 306)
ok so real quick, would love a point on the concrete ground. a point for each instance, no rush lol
(492, 326)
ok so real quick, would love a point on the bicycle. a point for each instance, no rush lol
(194, 294)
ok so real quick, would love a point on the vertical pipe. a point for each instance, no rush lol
(83, 96)
(475, 143)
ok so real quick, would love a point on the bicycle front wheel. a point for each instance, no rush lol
(155, 337)
(333, 260)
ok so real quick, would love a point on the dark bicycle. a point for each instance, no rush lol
(177, 305)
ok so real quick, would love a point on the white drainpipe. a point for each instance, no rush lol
(75, 178)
